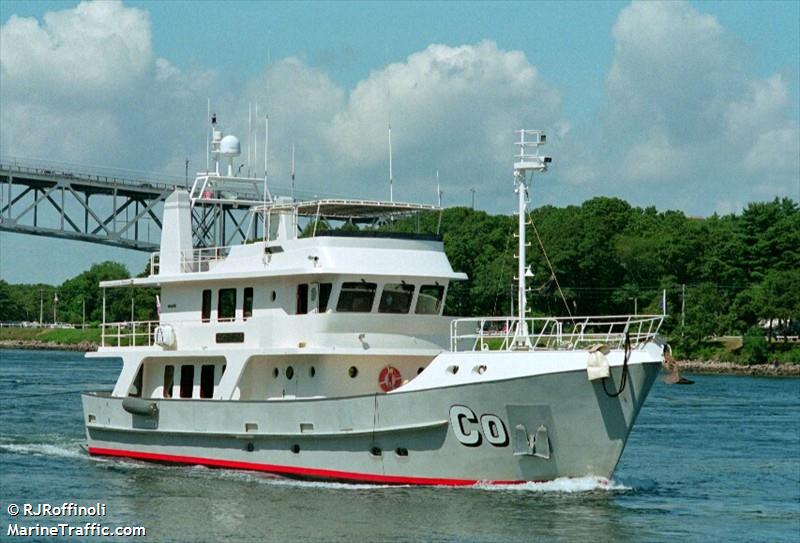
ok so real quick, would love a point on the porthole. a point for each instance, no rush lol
(480, 370)
(312, 371)
(275, 372)
(274, 295)
(352, 372)
(289, 372)
(401, 451)
(452, 369)
(420, 370)
(375, 451)
(295, 448)
(251, 447)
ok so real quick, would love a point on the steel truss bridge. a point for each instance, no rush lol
(57, 201)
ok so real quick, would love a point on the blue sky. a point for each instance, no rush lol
(648, 102)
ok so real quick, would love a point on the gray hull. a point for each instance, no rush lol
(533, 428)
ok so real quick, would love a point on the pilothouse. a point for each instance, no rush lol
(320, 349)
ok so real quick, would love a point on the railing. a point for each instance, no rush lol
(155, 260)
(552, 333)
(199, 260)
(119, 176)
(128, 334)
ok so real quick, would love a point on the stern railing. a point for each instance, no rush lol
(552, 333)
(128, 334)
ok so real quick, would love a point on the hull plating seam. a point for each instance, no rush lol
(297, 471)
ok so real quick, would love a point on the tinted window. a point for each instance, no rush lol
(226, 304)
(324, 296)
(396, 298)
(429, 301)
(356, 297)
(206, 312)
(136, 388)
(302, 299)
(187, 380)
(207, 381)
(169, 380)
(247, 304)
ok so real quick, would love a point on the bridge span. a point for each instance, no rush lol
(57, 201)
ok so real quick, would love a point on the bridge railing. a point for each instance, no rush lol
(553, 333)
(128, 334)
(73, 171)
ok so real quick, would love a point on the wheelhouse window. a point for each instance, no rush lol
(207, 381)
(429, 301)
(187, 380)
(302, 299)
(206, 311)
(247, 304)
(169, 381)
(396, 298)
(226, 304)
(136, 387)
(356, 297)
(324, 296)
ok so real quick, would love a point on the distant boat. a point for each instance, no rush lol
(327, 356)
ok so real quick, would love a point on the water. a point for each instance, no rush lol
(719, 460)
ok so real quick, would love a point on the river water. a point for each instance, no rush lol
(716, 461)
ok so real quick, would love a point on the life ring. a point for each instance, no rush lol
(389, 378)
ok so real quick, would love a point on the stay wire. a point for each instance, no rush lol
(550, 265)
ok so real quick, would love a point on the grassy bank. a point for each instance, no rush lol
(66, 338)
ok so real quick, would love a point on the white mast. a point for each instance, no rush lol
(255, 145)
(391, 180)
(438, 190)
(208, 136)
(528, 160)
(293, 172)
(267, 194)
(249, 137)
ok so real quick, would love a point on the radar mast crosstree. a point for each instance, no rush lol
(528, 160)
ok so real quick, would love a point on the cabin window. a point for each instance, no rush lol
(136, 387)
(206, 311)
(169, 380)
(324, 296)
(396, 298)
(247, 304)
(356, 297)
(187, 380)
(226, 304)
(302, 299)
(429, 301)
(207, 381)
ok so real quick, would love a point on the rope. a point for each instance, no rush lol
(550, 265)
(624, 380)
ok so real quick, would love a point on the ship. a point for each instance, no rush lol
(318, 352)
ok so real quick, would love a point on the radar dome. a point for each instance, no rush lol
(229, 146)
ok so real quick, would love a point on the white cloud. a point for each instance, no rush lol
(451, 109)
(685, 110)
(94, 48)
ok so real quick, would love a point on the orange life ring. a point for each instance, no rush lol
(389, 378)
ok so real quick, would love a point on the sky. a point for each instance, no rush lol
(678, 105)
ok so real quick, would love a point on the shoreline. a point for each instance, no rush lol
(706, 367)
(713, 367)
(36, 345)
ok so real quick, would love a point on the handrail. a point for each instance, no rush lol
(128, 334)
(553, 333)
(199, 260)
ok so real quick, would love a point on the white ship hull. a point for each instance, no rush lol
(532, 426)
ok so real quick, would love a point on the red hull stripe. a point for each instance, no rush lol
(290, 470)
